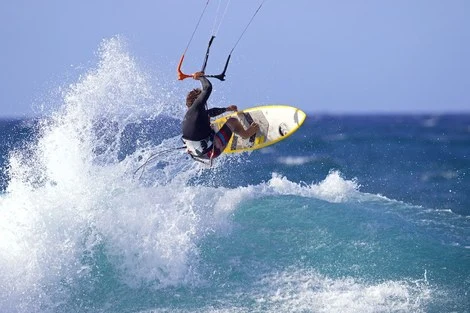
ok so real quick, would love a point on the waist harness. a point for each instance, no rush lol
(199, 148)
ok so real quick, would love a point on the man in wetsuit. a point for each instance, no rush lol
(199, 137)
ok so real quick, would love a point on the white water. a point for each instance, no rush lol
(63, 199)
(304, 290)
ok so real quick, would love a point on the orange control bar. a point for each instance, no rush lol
(182, 75)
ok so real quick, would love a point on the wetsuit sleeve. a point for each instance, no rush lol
(216, 111)
(204, 95)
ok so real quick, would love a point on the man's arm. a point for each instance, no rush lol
(205, 93)
(217, 111)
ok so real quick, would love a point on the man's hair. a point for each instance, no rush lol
(192, 95)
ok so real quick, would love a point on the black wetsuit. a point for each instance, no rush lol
(196, 122)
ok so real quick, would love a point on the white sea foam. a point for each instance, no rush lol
(439, 175)
(303, 290)
(64, 198)
(295, 160)
(307, 291)
(430, 121)
(333, 189)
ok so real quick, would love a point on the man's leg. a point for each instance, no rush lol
(222, 137)
(238, 128)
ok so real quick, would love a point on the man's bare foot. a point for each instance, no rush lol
(238, 128)
(253, 129)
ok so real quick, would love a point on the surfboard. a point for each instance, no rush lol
(276, 123)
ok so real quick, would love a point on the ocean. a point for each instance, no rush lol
(352, 213)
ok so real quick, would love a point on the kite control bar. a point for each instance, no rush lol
(182, 75)
(220, 76)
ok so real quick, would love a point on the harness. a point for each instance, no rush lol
(199, 148)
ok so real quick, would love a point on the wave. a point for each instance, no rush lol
(74, 214)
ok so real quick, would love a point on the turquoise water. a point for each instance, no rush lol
(350, 214)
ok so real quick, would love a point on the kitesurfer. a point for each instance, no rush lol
(200, 139)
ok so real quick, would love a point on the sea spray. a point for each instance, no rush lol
(67, 187)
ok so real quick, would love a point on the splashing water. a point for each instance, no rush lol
(69, 196)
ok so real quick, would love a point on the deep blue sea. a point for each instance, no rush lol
(353, 213)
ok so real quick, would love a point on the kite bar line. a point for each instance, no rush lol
(181, 75)
(215, 30)
(216, 27)
(195, 28)
(246, 27)
(220, 76)
(153, 156)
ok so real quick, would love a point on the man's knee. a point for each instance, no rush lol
(233, 123)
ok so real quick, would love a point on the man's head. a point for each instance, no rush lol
(192, 95)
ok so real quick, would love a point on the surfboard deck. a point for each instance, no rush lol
(276, 123)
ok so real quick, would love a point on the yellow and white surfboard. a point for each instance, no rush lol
(276, 123)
